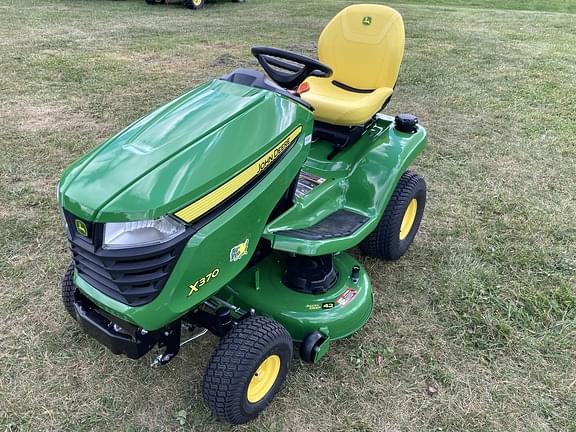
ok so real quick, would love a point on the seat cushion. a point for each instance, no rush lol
(337, 106)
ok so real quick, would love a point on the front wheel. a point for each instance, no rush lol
(396, 230)
(194, 4)
(247, 369)
(68, 290)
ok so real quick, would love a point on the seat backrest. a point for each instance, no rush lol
(364, 45)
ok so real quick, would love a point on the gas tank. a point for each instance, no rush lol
(181, 152)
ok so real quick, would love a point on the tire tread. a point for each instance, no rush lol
(68, 290)
(234, 360)
(383, 242)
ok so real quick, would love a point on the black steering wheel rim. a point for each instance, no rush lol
(297, 66)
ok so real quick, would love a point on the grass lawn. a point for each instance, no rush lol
(473, 330)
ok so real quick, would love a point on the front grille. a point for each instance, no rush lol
(132, 276)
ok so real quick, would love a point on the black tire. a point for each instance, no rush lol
(68, 290)
(235, 362)
(155, 2)
(194, 4)
(309, 346)
(385, 241)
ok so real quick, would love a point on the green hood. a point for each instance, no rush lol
(177, 153)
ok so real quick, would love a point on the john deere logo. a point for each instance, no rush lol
(81, 227)
(367, 20)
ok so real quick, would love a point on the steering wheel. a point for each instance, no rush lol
(295, 68)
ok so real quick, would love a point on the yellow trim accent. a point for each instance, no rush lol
(208, 202)
(408, 219)
(263, 379)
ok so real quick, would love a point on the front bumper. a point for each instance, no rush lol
(120, 337)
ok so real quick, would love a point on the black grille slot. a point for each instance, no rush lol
(131, 276)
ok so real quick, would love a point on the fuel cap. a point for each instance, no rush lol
(407, 123)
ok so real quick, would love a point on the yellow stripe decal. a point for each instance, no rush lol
(218, 195)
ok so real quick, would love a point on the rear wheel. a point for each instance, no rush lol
(247, 369)
(68, 290)
(155, 2)
(194, 4)
(399, 225)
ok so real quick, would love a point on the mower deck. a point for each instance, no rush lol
(337, 313)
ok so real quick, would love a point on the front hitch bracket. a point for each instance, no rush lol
(170, 339)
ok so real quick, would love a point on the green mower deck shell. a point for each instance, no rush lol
(261, 288)
(179, 152)
(361, 179)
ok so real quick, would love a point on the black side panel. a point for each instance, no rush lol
(339, 224)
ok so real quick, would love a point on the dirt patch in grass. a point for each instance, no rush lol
(53, 117)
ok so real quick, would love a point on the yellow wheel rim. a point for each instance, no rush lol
(264, 378)
(408, 219)
(196, 2)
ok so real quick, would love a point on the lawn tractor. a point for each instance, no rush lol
(191, 4)
(229, 210)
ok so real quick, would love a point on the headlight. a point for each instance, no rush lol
(141, 233)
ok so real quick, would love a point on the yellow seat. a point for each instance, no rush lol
(364, 46)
